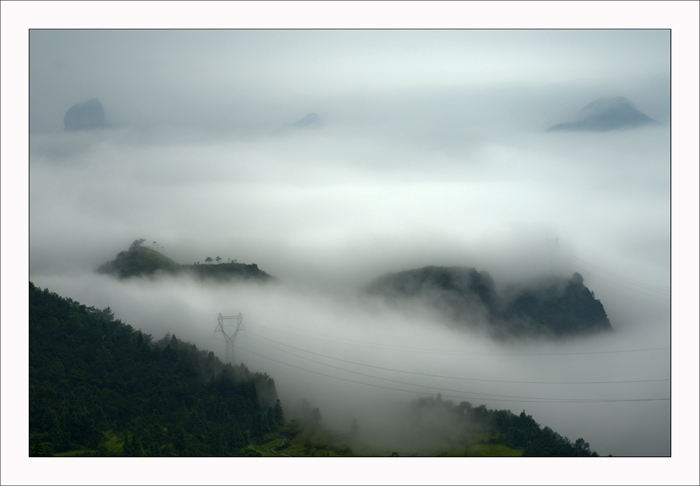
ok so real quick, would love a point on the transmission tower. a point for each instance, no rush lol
(230, 338)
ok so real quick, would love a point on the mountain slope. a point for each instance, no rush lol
(461, 293)
(605, 114)
(99, 387)
(554, 306)
(545, 307)
(89, 115)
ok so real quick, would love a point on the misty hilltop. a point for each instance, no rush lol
(605, 114)
(89, 115)
(310, 120)
(549, 306)
(140, 260)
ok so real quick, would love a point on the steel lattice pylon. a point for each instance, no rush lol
(230, 338)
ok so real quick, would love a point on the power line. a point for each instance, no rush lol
(659, 296)
(454, 353)
(353, 342)
(658, 271)
(634, 282)
(463, 396)
(643, 286)
(455, 377)
(440, 389)
(621, 277)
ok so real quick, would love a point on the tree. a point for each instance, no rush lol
(354, 429)
(582, 447)
(218, 259)
(278, 413)
(129, 449)
(315, 418)
(208, 259)
(136, 244)
(37, 448)
(107, 314)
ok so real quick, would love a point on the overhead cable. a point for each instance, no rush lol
(578, 400)
(460, 378)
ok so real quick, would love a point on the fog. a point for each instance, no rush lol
(431, 150)
(356, 358)
(431, 169)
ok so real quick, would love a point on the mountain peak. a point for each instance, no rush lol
(605, 114)
(312, 119)
(547, 306)
(84, 116)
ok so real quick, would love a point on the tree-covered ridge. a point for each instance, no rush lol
(461, 423)
(555, 306)
(141, 260)
(462, 294)
(429, 427)
(550, 306)
(99, 387)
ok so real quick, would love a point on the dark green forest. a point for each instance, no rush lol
(99, 387)
(457, 423)
(139, 261)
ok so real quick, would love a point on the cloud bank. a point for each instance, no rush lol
(432, 151)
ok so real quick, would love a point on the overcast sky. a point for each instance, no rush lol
(431, 150)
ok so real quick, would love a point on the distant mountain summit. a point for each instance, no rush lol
(310, 120)
(605, 114)
(84, 116)
(458, 292)
(308, 123)
(549, 306)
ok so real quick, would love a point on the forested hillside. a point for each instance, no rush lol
(548, 306)
(99, 387)
(480, 431)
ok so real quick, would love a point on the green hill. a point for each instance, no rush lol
(99, 387)
(139, 261)
(478, 431)
(551, 306)
(431, 427)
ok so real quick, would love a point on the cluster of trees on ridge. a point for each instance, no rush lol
(141, 260)
(97, 386)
